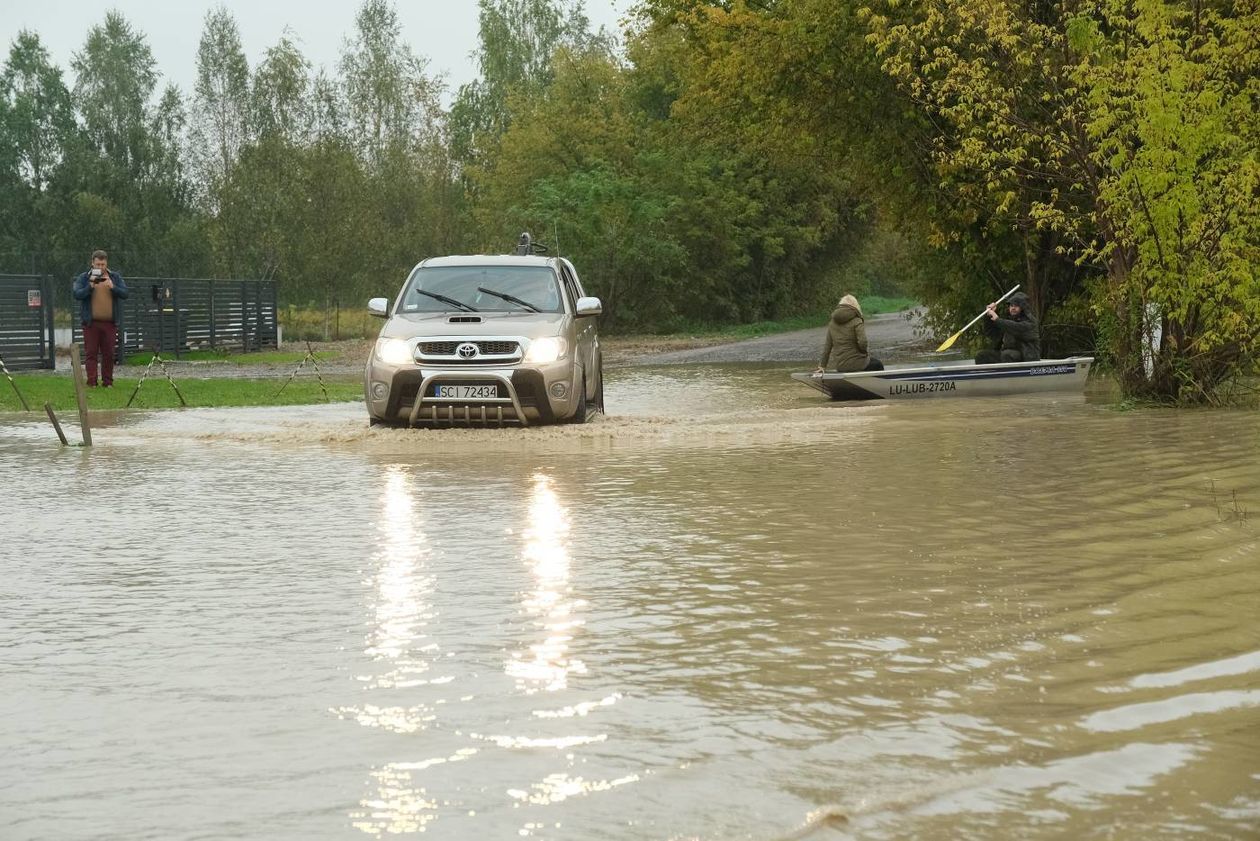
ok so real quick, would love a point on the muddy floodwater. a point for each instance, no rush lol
(729, 610)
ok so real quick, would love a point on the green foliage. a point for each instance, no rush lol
(1120, 136)
(388, 97)
(221, 102)
(280, 104)
(36, 118)
(116, 77)
(738, 162)
(352, 321)
(669, 224)
(1174, 121)
(517, 41)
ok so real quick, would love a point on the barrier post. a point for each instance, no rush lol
(80, 393)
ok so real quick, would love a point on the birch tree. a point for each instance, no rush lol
(220, 124)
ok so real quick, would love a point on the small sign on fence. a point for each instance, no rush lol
(33, 298)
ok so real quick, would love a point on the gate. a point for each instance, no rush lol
(26, 322)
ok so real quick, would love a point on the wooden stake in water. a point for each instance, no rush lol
(80, 393)
(56, 424)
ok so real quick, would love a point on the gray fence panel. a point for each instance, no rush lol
(176, 315)
(26, 322)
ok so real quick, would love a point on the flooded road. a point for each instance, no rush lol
(728, 611)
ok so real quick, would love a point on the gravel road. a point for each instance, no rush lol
(891, 336)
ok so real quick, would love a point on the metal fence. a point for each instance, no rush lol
(176, 315)
(26, 322)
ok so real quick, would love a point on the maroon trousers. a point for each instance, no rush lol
(100, 337)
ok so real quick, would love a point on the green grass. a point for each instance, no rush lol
(266, 357)
(156, 393)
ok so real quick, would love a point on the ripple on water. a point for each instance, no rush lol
(720, 610)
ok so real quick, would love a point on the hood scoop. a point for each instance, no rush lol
(464, 319)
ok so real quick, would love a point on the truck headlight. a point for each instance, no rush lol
(546, 349)
(393, 351)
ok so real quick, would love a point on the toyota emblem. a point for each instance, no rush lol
(467, 350)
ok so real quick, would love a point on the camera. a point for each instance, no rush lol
(96, 276)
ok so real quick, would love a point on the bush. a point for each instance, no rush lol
(324, 325)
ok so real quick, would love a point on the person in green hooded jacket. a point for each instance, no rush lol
(845, 349)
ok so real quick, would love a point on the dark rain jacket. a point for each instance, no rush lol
(1020, 337)
(845, 348)
(82, 292)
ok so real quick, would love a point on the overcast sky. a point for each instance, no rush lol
(444, 31)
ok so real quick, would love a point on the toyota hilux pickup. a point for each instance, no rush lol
(487, 340)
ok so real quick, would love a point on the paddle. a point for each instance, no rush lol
(949, 343)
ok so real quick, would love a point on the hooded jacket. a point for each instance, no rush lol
(1020, 334)
(845, 348)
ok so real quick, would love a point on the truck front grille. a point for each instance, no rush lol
(446, 351)
(497, 348)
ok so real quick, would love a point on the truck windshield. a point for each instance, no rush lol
(483, 288)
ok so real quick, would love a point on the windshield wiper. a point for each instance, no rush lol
(446, 300)
(512, 298)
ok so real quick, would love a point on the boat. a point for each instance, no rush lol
(965, 379)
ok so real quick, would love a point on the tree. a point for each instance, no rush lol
(328, 109)
(36, 117)
(1115, 135)
(36, 125)
(121, 185)
(221, 101)
(1173, 95)
(115, 79)
(517, 40)
(280, 105)
(389, 98)
(795, 85)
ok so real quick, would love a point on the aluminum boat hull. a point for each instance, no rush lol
(954, 380)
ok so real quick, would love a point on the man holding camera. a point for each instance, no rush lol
(98, 291)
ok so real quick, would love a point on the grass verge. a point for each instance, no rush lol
(266, 357)
(156, 393)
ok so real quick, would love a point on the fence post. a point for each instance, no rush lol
(49, 323)
(52, 416)
(244, 316)
(213, 344)
(80, 395)
(175, 312)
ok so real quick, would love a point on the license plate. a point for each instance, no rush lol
(465, 392)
